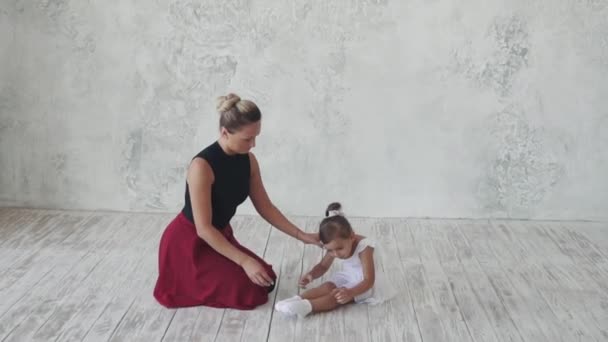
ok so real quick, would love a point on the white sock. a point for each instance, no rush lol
(279, 305)
(301, 308)
(291, 299)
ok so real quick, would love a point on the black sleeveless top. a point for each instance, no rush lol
(231, 185)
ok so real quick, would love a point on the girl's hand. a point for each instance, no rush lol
(256, 272)
(305, 280)
(342, 295)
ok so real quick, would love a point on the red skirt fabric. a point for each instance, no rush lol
(191, 273)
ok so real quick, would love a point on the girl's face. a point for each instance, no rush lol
(341, 248)
(243, 140)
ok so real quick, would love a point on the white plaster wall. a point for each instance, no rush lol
(479, 108)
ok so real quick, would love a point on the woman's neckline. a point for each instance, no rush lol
(223, 149)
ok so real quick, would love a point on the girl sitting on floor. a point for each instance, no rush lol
(355, 283)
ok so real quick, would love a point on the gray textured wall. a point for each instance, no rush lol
(397, 108)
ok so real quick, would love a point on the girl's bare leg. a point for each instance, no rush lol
(319, 291)
(318, 299)
(321, 298)
(325, 303)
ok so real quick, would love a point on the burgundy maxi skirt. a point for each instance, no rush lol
(191, 273)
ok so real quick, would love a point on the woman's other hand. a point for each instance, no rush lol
(256, 272)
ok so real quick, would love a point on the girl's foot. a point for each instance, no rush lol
(299, 308)
(281, 303)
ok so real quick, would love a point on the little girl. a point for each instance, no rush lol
(356, 282)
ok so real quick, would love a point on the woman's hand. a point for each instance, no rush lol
(309, 238)
(256, 272)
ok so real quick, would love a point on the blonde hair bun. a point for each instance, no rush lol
(236, 113)
(227, 102)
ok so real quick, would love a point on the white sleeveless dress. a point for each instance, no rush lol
(351, 274)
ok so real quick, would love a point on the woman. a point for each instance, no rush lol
(200, 261)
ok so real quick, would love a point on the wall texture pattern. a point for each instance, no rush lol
(482, 108)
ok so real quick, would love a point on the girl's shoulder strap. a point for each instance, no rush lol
(365, 242)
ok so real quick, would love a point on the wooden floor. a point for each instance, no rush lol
(83, 276)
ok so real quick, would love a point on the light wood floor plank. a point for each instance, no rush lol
(556, 276)
(513, 260)
(595, 233)
(283, 328)
(12, 231)
(11, 220)
(495, 309)
(394, 320)
(580, 252)
(83, 307)
(132, 313)
(515, 303)
(425, 306)
(62, 288)
(17, 222)
(30, 268)
(452, 319)
(89, 276)
(470, 304)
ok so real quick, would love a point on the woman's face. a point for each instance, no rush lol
(243, 140)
